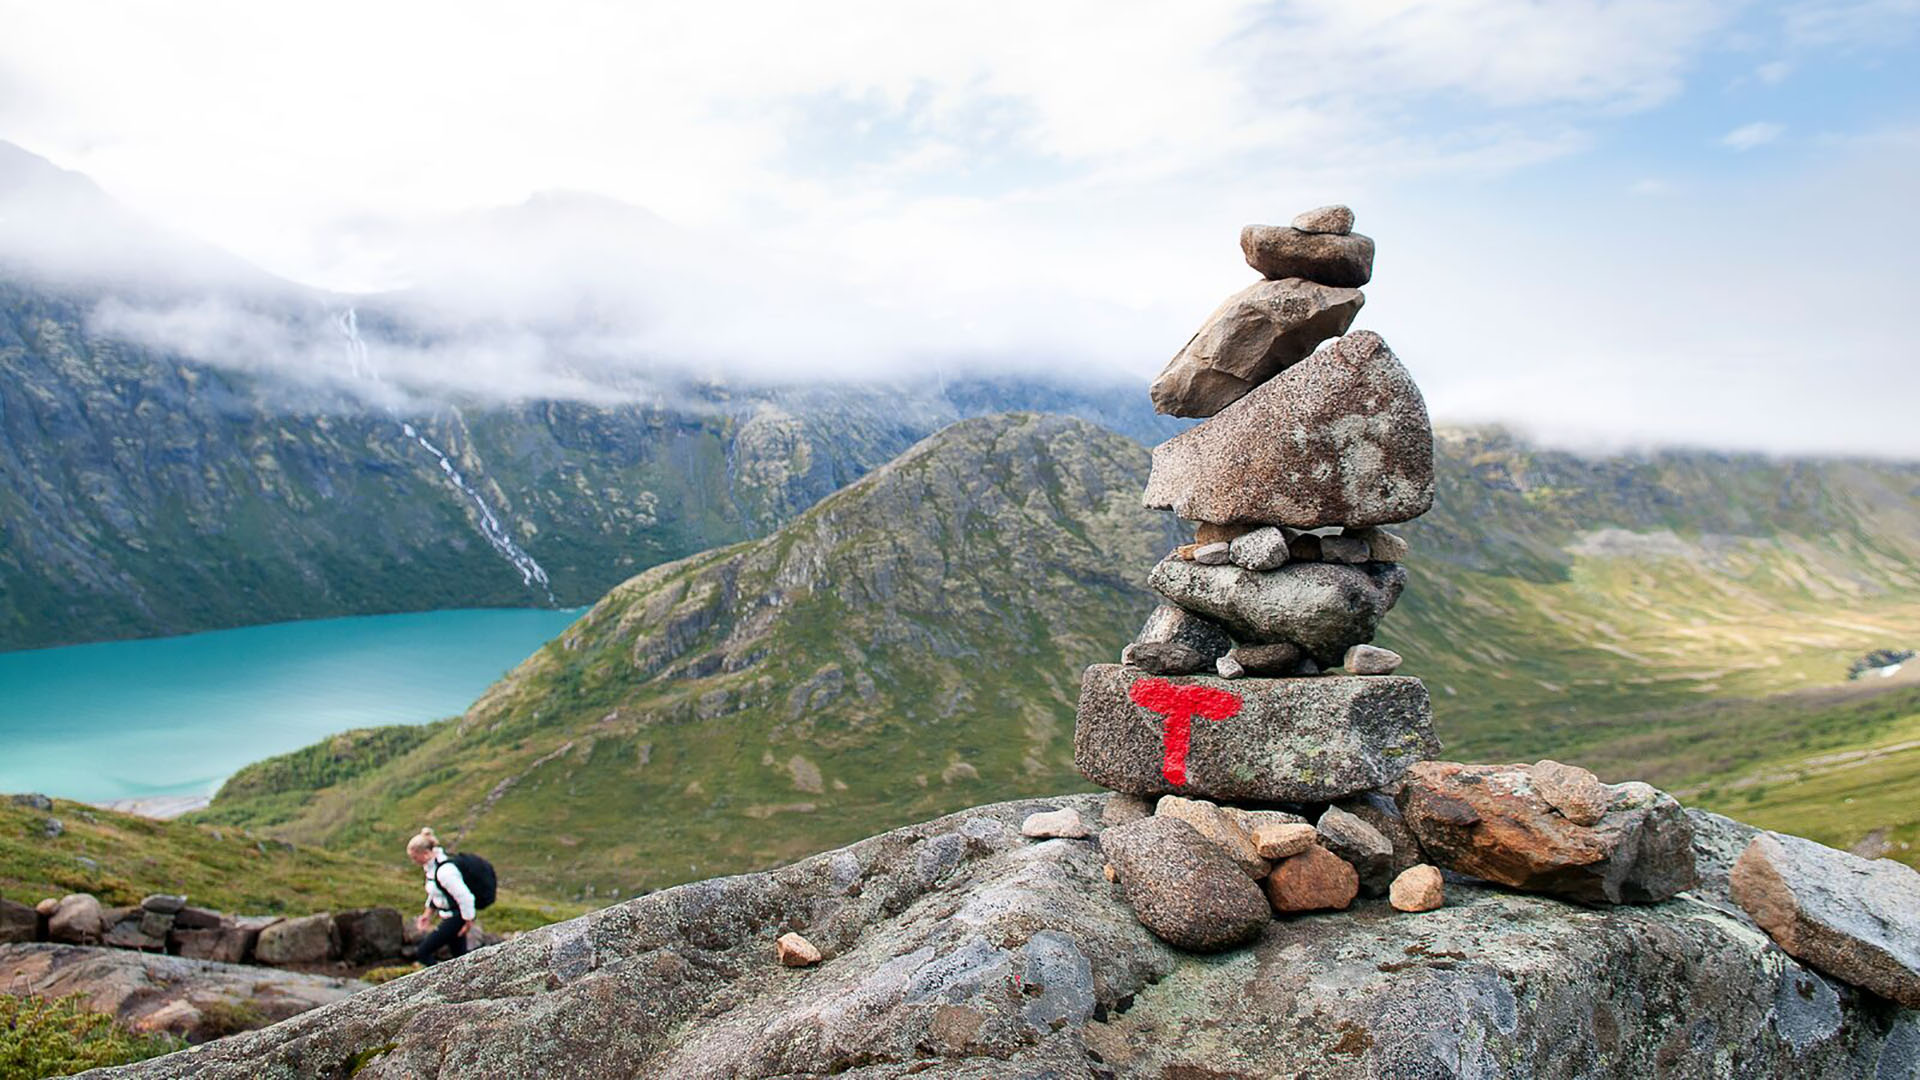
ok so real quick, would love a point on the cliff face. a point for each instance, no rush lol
(144, 494)
(956, 947)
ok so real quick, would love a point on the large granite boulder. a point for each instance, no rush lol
(1256, 334)
(1281, 740)
(1343, 259)
(18, 922)
(1182, 886)
(224, 944)
(1340, 438)
(1853, 918)
(955, 948)
(77, 920)
(1491, 821)
(368, 935)
(148, 992)
(313, 939)
(1323, 608)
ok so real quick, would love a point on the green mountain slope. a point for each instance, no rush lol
(912, 645)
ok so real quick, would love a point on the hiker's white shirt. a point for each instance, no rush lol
(447, 887)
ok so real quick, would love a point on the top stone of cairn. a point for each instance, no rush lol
(1337, 220)
(1343, 260)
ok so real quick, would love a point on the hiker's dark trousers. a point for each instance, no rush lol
(448, 934)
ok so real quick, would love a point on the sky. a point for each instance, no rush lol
(1606, 223)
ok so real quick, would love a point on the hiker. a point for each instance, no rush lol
(449, 895)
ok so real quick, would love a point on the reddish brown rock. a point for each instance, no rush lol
(1256, 334)
(1418, 888)
(796, 951)
(1344, 260)
(1314, 880)
(1855, 919)
(1491, 822)
(1341, 438)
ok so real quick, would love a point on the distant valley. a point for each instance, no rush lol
(911, 645)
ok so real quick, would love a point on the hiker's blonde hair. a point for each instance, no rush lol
(424, 840)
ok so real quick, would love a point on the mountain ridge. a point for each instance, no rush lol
(904, 644)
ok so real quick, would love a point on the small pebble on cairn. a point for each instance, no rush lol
(1336, 220)
(1262, 549)
(1371, 660)
(1284, 840)
(1578, 794)
(1055, 824)
(1418, 888)
(796, 951)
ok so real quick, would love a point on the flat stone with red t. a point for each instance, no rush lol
(1254, 740)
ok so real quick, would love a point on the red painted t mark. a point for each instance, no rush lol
(1180, 704)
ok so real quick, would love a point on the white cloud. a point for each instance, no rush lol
(869, 187)
(1749, 136)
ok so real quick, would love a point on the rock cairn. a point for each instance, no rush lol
(1268, 757)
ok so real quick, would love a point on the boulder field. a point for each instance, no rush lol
(960, 948)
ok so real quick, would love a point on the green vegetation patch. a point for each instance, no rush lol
(121, 858)
(57, 1036)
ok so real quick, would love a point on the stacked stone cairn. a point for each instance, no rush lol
(1268, 758)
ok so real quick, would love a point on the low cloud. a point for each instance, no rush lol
(1749, 136)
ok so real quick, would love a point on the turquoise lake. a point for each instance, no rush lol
(176, 716)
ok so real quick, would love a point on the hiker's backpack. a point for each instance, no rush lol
(478, 874)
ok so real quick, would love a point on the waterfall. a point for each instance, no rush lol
(360, 366)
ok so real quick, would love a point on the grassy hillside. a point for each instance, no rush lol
(912, 645)
(121, 858)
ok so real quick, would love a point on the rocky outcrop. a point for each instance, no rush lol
(1853, 918)
(1493, 821)
(191, 998)
(957, 948)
